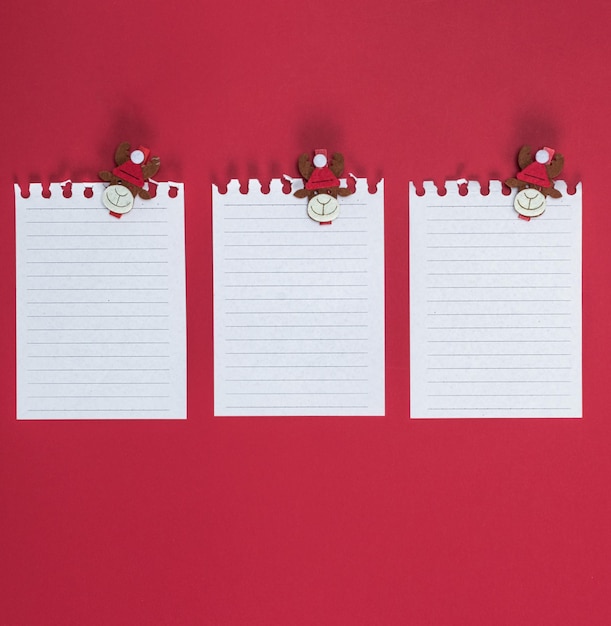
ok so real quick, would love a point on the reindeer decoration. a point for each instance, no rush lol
(322, 185)
(535, 180)
(127, 179)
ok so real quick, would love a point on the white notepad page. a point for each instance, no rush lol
(100, 306)
(495, 305)
(298, 306)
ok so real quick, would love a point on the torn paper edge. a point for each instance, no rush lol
(278, 185)
(474, 187)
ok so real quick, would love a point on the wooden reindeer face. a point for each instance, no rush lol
(118, 198)
(529, 202)
(322, 185)
(127, 179)
(535, 180)
(323, 205)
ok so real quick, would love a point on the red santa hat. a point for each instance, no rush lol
(536, 172)
(131, 170)
(322, 177)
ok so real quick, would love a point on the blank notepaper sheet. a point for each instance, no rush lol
(495, 305)
(298, 306)
(100, 306)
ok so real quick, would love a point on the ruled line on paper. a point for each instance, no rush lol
(487, 324)
(84, 344)
(298, 306)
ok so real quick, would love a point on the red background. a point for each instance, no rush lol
(302, 521)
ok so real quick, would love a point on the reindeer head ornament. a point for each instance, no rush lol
(535, 180)
(128, 178)
(322, 186)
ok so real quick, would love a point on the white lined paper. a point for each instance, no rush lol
(298, 307)
(495, 305)
(100, 306)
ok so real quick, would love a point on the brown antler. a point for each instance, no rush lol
(337, 164)
(525, 157)
(122, 153)
(305, 166)
(151, 168)
(555, 166)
